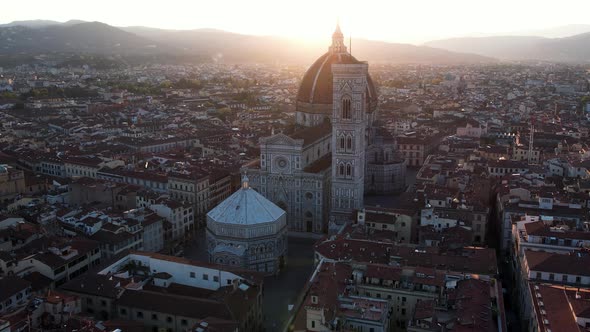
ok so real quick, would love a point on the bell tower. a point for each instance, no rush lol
(349, 126)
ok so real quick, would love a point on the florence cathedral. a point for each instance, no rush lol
(321, 173)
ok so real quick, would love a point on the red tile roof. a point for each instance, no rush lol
(317, 86)
(577, 263)
(552, 308)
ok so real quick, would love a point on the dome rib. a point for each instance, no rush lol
(315, 81)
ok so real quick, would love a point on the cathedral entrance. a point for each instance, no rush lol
(281, 263)
(308, 222)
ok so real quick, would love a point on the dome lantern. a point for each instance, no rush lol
(338, 41)
(245, 181)
(315, 95)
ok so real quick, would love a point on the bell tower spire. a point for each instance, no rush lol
(338, 40)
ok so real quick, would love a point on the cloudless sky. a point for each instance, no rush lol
(412, 21)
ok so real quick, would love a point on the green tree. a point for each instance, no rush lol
(7, 95)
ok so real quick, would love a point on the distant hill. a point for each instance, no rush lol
(575, 49)
(31, 23)
(238, 47)
(383, 52)
(99, 38)
(556, 32)
(39, 23)
(87, 37)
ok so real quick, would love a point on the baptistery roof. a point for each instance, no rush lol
(245, 207)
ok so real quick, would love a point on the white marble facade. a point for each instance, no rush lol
(247, 231)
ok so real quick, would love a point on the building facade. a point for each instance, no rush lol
(192, 188)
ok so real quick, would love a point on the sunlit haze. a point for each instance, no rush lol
(396, 21)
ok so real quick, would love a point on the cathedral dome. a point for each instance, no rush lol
(316, 86)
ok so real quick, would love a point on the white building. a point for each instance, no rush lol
(180, 270)
(248, 231)
(180, 215)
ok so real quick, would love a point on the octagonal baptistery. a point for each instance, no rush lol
(247, 231)
(315, 95)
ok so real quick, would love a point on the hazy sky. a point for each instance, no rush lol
(411, 21)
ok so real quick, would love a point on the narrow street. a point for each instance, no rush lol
(197, 248)
(282, 290)
(279, 291)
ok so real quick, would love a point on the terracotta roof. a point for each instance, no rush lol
(11, 285)
(540, 229)
(319, 165)
(469, 259)
(552, 308)
(38, 281)
(312, 134)
(316, 86)
(174, 304)
(576, 263)
(385, 272)
(473, 306)
(95, 284)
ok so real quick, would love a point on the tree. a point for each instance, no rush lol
(8, 95)
(184, 83)
(224, 113)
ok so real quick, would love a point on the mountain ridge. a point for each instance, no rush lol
(571, 49)
(101, 38)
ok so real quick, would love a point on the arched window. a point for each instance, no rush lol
(346, 113)
(348, 170)
(349, 143)
(341, 169)
(342, 142)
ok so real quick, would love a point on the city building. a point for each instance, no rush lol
(12, 183)
(14, 293)
(192, 188)
(170, 293)
(558, 308)
(248, 231)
